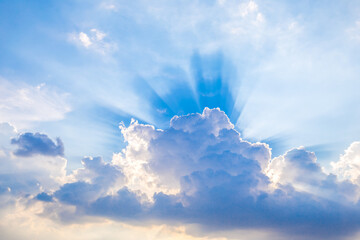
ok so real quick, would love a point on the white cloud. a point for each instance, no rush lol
(348, 167)
(247, 8)
(299, 169)
(22, 104)
(84, 39)
(244, 20)
(98, 34)
(95, 40)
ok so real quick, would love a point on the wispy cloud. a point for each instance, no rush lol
(22, 104)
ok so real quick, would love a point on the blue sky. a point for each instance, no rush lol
(284, 73)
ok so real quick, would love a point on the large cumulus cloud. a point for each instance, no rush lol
(200, 171)
(158, 159)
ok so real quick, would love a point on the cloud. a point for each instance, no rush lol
(156, 160)
(44, 197)
(220, 201)
(124, 205)
(299, 169)
(30, 144)
(22, 104)
(349, 164)
(95, 180)
(247, 8)
(200, 171)
(36, 166)
(84, 39)
(95, 40)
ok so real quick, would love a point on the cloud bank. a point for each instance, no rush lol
(199, 171)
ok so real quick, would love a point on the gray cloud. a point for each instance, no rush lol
(30, 144)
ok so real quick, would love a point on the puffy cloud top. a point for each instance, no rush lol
(210, 122)
(157, 159)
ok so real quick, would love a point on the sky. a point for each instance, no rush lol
(212, 120)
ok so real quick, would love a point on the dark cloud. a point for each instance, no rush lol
(30, 144)
(19, 183)
(44, 197)
(220, 201)
(124, 205)
(77, 193)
